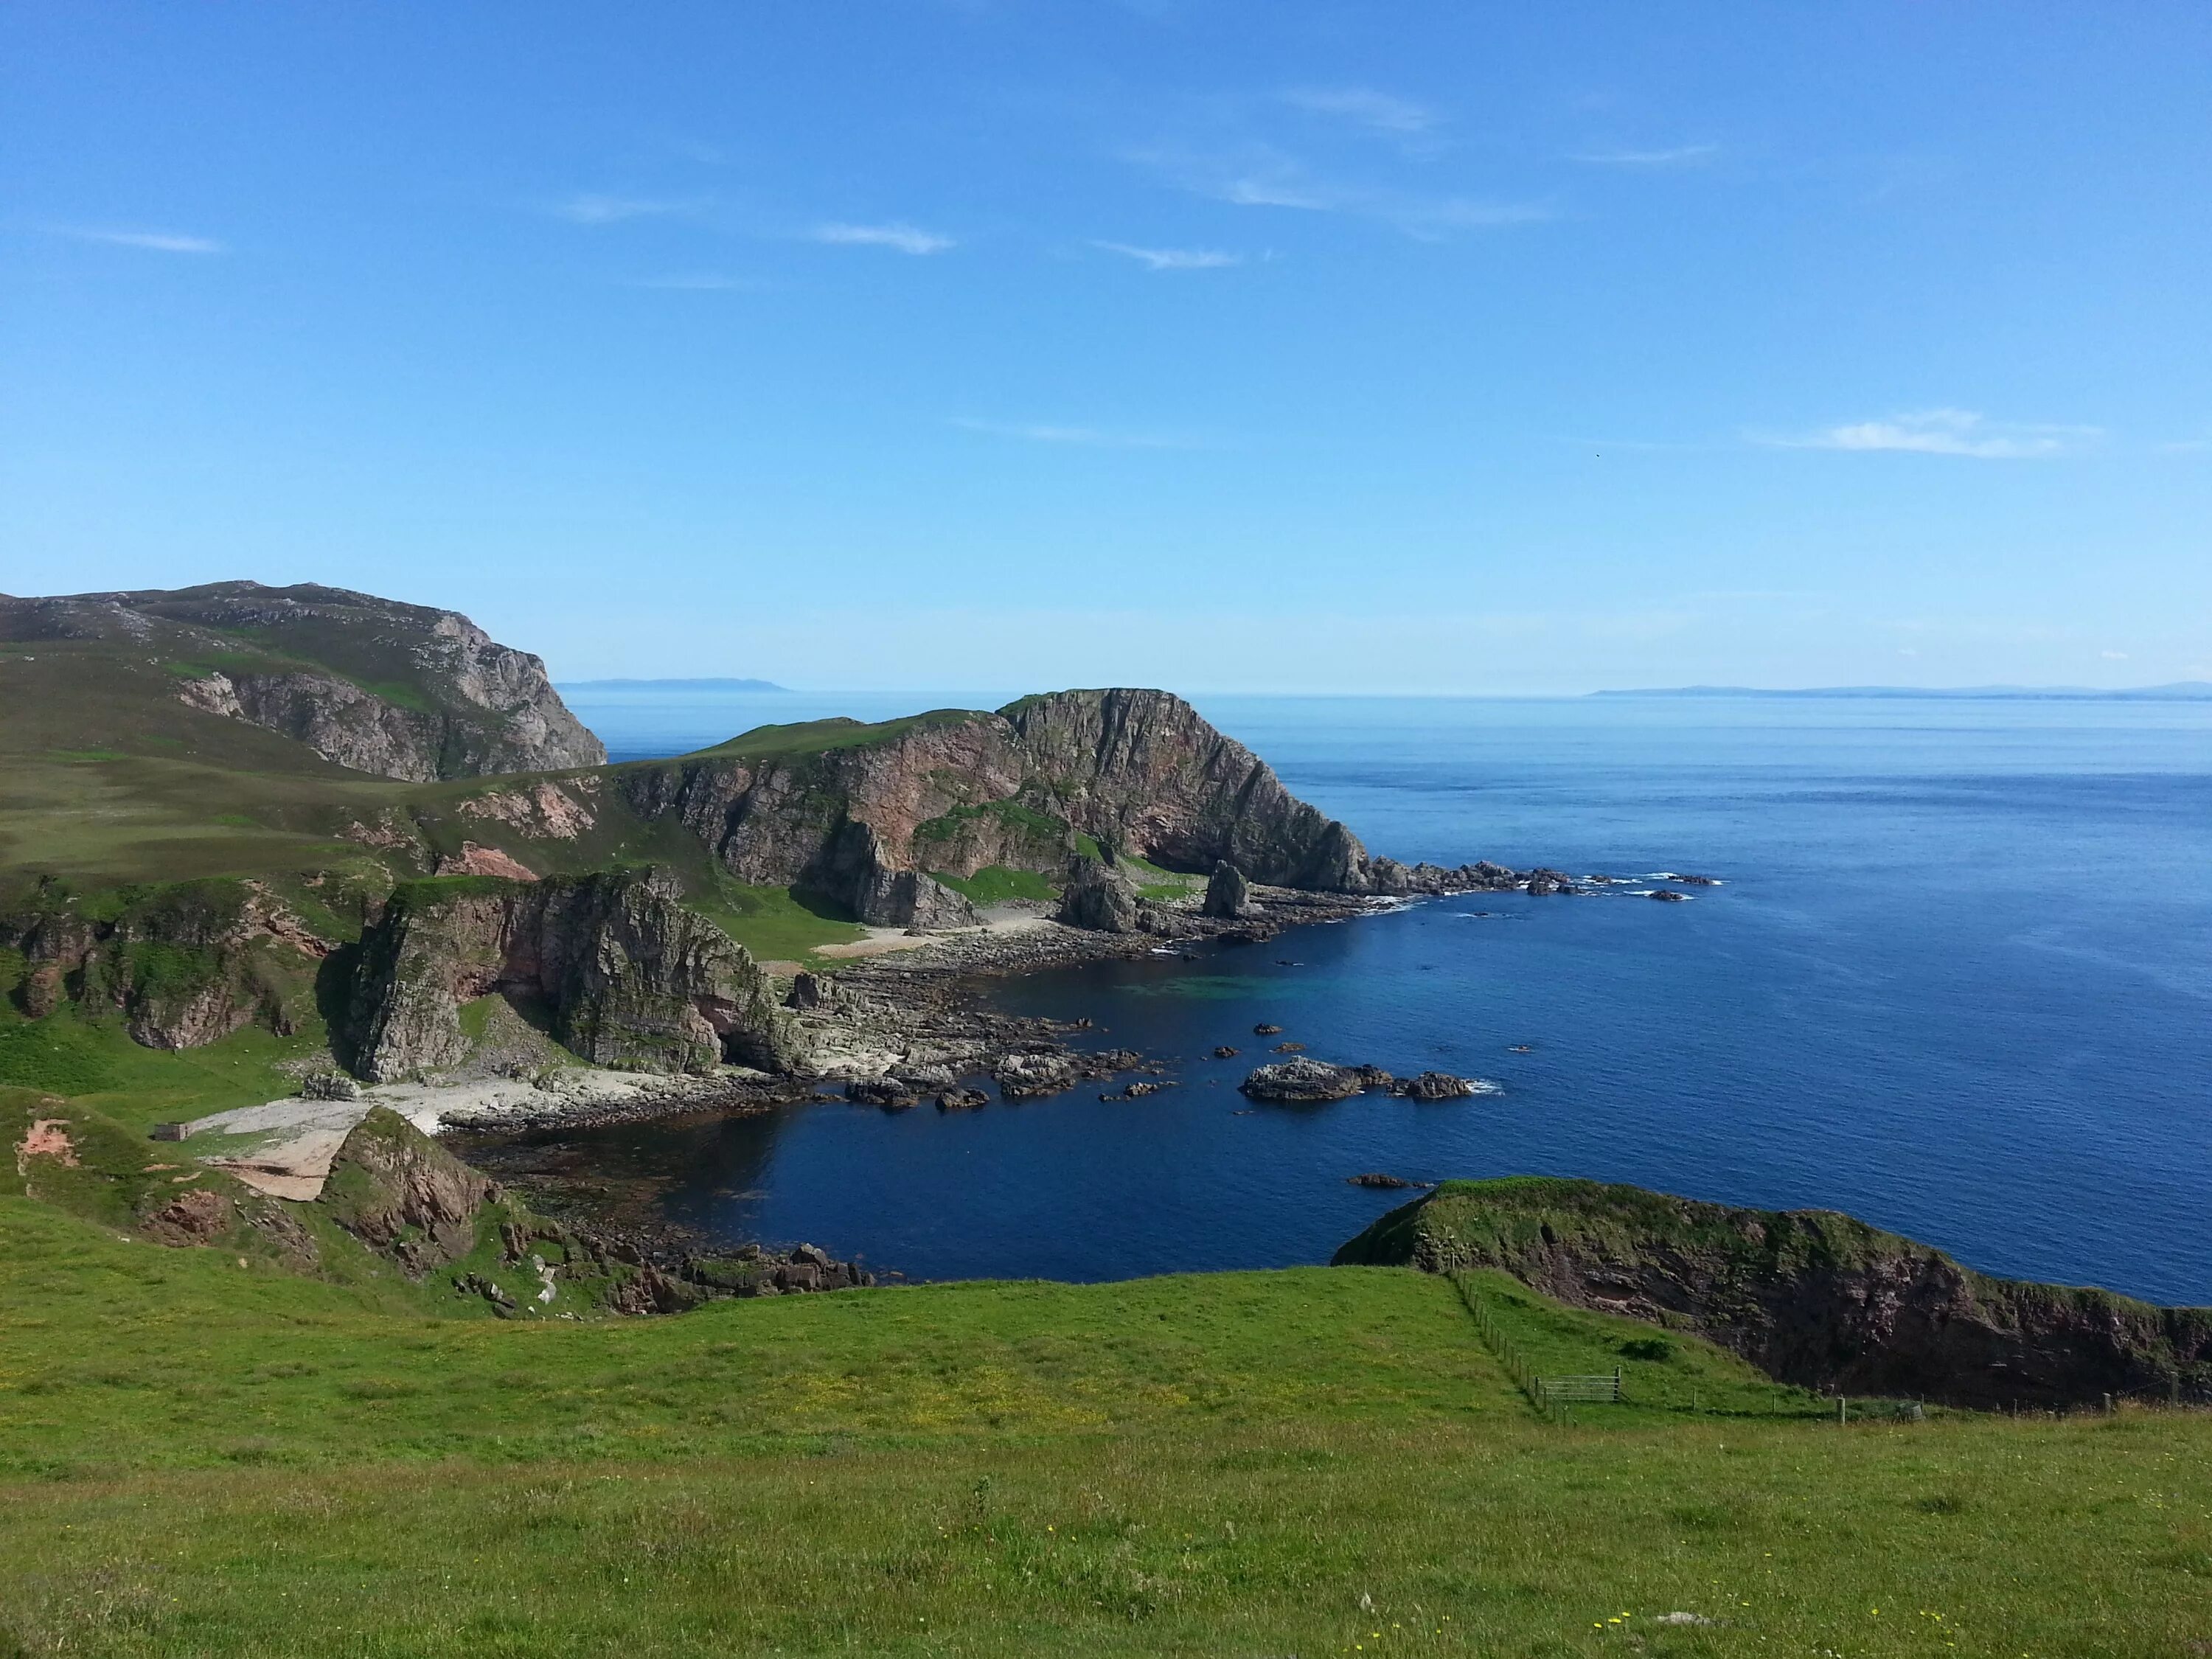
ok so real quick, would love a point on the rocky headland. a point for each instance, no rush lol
(395, 690)
(1810, 1297)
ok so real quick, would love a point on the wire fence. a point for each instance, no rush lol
(1552, 1408)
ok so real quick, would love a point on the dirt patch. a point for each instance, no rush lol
(475, 861)
(48, 1138)
(195, 1217)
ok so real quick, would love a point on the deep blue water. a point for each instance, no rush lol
(1959, 983)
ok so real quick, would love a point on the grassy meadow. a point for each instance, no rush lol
(201, 1458)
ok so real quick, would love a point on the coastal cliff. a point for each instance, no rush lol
(620, 972)
(396, 690)
(871, 817)
(1810, 1297)
(184, 964)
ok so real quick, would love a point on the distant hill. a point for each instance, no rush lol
(672, 685)
(394, 690)
(2178, 691)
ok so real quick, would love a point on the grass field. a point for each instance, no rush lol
(94, 1060)
(200, 1459)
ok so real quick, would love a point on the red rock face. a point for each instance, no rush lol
(1139, 770)
(475, 861)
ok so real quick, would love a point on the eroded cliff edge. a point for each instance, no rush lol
(1810, 1297)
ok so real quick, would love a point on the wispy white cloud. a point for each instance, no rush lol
(1086, 436)
(2185, 446)
(1680, 156)
(903, 237)
(1431, 217)
(1260, 175)
(1366, 107)
(595, 209)
(1948, 432)
(154, 241)
(1173, 258)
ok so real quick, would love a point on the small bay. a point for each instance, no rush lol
(1958, 982)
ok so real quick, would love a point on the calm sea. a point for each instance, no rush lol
(1959, 983)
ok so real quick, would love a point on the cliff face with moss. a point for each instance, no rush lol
(1810, 1297)
(396, 691)
(867, 815)
(184, 963)
(618, 970)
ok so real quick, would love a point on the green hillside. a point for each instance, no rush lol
(201, 1458)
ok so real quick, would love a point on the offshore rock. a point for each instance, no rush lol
(1436, 1086)
(1028, 1077)
(625, 974)
(1302, 1082)
(1809, 1297)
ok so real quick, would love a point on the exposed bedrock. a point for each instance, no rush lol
(1810, 1297)
(1037, 785)
(184, 964)
(400, 690)
(613, 964)
(1099, 897)
(1227, 894)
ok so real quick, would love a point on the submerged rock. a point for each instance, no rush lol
(1438, 1085)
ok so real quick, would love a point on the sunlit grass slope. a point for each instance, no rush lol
(196, 1458)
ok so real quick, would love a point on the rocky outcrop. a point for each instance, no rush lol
(402, 1194)
(184, 963)
(853, 868)
(1143, 772)
(863, 815)
(623, 974)
(1227, 894)
(1436, 1086)
(1304, 1082)
(1099, 897)
(1810, 1297)
(399, 691)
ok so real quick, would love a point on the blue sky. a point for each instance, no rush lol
(1240, 346)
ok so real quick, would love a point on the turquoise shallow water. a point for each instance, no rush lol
(1958, 982)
